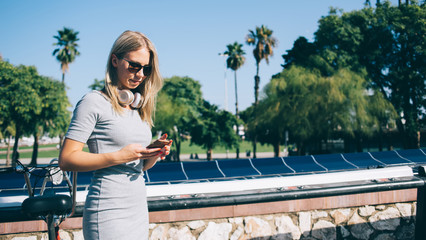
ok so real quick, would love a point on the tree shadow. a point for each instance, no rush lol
(395, 228)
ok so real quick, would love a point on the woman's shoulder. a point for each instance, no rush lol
(95, 95)
(94, 98)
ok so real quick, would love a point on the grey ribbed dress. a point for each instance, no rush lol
(116, 204)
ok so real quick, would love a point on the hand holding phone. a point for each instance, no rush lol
(160, 143)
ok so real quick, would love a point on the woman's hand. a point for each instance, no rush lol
(165, 150)
(134, 152)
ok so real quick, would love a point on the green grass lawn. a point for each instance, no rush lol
(186, 148)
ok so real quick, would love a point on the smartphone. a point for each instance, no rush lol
(158, 143)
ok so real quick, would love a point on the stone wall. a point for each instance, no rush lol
(386, 221)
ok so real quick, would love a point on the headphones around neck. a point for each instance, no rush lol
(126, 98)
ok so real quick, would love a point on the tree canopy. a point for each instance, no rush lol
(184, 114)
(313, 108)
(31, 103)
(66, 50)
(386, 42)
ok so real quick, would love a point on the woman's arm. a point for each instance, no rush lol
(73, 158)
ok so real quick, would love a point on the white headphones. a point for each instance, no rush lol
(126, 97)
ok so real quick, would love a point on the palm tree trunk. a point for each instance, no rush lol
(256, 99)
(236, 95)
(63, 78)
(236, 109)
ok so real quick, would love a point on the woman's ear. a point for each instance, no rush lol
(114, 60)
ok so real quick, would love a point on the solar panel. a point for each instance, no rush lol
(363, 160)
(11, 180)
(302, 164)
(202, 170)
(334, 162)
(163, 172)
(415, 155)
(269, 166)
(220, 170)
(84, 178)
(237, 168)
(390, 157)
(15, 180)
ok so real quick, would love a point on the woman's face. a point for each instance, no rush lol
(127, 66)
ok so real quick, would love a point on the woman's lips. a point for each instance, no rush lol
(135, 82)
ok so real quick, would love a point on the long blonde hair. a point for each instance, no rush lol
(131, 41)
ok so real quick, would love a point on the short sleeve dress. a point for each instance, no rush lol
(116, 204)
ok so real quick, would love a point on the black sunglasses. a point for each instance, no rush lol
(136, 67)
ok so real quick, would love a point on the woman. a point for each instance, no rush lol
(117, 130)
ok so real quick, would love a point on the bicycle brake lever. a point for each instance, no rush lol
(20, 169)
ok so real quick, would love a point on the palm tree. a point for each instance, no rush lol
(234, 61)
(263, 41)
(67, 48)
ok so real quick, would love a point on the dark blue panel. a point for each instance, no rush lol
(237, 168)
(333, 162)
(84, 178)
(390, 157)
(14, 192)
(11, 179)
(303, 164)
(166, 172)
(271, 166)
(415, 155)
(362, 160)
(202, 170)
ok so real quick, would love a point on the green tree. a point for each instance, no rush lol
(314, 108)
(67, 48)
(263, 43)
(97, 84)
(54, 117)
(20, 101)
(214, 127)
(234, 61)
(7, 127)
(30, 105)
(177, 106)
(387, 42)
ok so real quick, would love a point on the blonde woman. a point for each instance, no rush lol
(116, 125)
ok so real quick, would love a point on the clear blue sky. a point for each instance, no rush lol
(189, 35)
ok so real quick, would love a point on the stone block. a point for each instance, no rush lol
(324, 230)
(256, 227)
(216, 231)
(286, 227)
(388, 219)
(305, 223)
